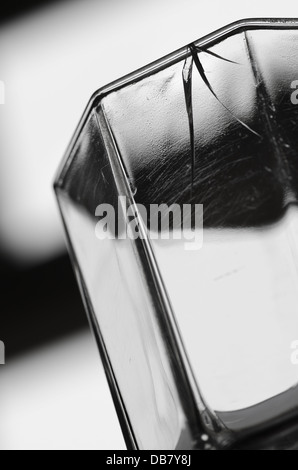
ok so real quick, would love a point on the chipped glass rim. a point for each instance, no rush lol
(170, 59)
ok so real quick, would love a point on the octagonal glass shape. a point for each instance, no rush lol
(198, 344)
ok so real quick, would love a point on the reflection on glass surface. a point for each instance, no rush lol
(196, 343)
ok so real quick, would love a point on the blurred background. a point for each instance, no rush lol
(53, 56)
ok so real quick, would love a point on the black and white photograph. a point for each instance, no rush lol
(148, 228)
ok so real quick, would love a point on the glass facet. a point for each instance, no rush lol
(196, 343)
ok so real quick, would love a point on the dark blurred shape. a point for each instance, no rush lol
(14, 8)
(38, 305)
(42, 303)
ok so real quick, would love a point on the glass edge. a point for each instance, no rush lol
(154, 67)
(124, 422)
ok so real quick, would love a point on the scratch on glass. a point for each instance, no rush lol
(188, 82)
